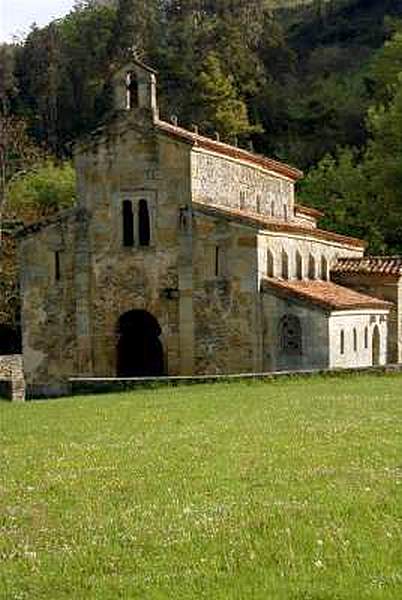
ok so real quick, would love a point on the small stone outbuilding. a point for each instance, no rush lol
(379, 276)
(183, 256)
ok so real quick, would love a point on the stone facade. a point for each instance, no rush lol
(229, 183)
(12, 383)
(163, 261)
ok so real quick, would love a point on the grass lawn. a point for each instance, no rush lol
(288, 490)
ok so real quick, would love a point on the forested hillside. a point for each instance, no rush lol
(314, 83)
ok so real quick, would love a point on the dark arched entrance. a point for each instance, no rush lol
(139, 349)
(10, 340)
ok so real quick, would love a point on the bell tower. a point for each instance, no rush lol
(134, 87)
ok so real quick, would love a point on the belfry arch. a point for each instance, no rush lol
(139, 348)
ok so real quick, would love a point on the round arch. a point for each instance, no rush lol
(139, 348)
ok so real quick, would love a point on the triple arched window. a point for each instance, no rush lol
(136, 223)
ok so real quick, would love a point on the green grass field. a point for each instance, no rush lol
(288, 490)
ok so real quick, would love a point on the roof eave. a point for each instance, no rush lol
(325, 305)
(233, 152)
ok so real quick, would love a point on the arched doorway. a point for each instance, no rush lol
(376, 346)
(139, 349)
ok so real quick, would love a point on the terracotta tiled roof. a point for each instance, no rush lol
(270, 224)
(307, 210)
(228, 150)
(325, 294)
(376, 265)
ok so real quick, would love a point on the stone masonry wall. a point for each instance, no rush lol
(11, 371)
(223, 181)
(226, 312)
(133, 164)
(49, 303)
(315, 340)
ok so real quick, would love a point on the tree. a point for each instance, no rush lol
(41, 191)
(219, 106)
(341, 186)
(38, 73)
(17, 154)
(31, 195)
(61, 72)
(383, 163)
(8, 84)
(386, 68)
(136, 28)
(85, 35)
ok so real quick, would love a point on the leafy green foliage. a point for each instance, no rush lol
(61, 71)
(386, 68)
(8, 87)
(219, 106)
(383, 160)
(44, 190)
(361, 192)
(341, 187)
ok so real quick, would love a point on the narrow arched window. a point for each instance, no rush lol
(355, 340)
(131, 91)
(219, 261)
(285, 212)
(290, 335)
(242, 200)
(270, 264)
(128, 223)
(57, 270)
(342, 342)
(144, 226)
(366, 337)
(299, 266)
(324, 268)
(258, 203)
(285, 265)
(311, 267)
(272, 208)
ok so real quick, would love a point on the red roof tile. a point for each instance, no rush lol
(325, 294)
(307, 210)
(228, 150)
(271, 224)
(378, 265)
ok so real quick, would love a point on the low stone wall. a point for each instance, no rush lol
(106, 385)
(12, 382)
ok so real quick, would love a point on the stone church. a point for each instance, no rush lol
(186, 255)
